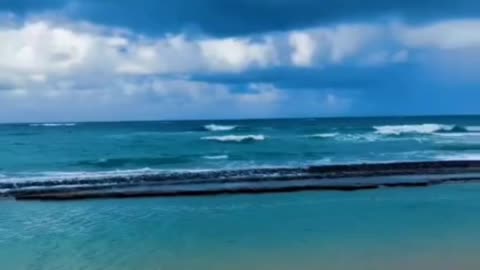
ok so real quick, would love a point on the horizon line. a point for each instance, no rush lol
(240, 119)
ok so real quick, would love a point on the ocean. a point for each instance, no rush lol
(73, 149)
(416, 228)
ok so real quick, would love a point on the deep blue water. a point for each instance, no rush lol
(69, 149)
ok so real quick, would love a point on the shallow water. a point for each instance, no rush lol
(424, 228)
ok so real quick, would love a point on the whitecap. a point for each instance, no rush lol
(53, 124)
(216, 157)
(368, 137)
(323, 161)
(459, 156)
(473, 128)
(60, 176)
(455, 134)
(323, 135)
(235, 138)
(213, 127)
(411, 129)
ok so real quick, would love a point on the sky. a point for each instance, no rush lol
(90, 60)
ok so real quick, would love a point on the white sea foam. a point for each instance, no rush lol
(213, 127)
(367, 137)
(216, 157)
(235, 138)
(53, 124)
(323, 161)
(60, 176)
(411, 129)
(459, 134)
(459, 156)
(473, 128)
(323, 135)
(48, 175)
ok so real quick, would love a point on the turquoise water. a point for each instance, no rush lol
(430, 228)
(72, 149)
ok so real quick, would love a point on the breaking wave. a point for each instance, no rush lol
(213, 127)
(216, 157)
(52, 124)
(473, 128)
(417, 129)
(235, 138)
(459, 156)
(138, 183)
(323, 135)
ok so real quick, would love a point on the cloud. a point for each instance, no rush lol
(337, 44)
(304, 47)
(385, 57)
(452, 34)
(381, 43)
(154, 98)
(37, 51)
(242, 17)
(237, 54)
(40, 52)
(88, 70)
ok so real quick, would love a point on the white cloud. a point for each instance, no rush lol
(39, 50)
(154, 98)
(89, 72)
(303, 46)
(332, 45)
(42, 51)
(453, 34)
(47, 66)
(379, 43)
(236, 54)
(347, 40)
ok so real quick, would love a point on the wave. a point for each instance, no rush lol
(216, 157)
(362, 137)
(367, 137)
(473, 128)
(235, 138)
(456, 134)
(323, 135)
(53, 124)
(459, 146)
(49, 178)
(417, 129)
(58, 176)
(459, 156)
(138, 162)
(213, 127)
(347, 177)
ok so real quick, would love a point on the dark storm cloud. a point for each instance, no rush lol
(21, 7)
(224, 18)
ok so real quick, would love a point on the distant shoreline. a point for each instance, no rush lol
(351, 177)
